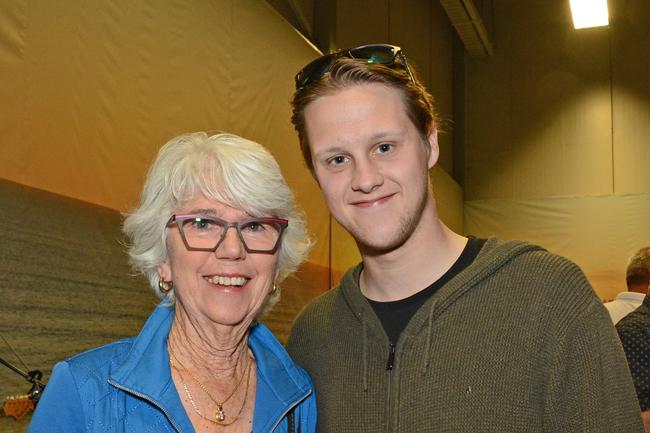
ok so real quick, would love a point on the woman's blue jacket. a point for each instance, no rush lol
(126, 387)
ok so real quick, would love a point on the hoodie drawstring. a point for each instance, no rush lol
(365, 357)
(427, 351)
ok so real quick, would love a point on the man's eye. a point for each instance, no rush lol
(337, 160)
(384, 147)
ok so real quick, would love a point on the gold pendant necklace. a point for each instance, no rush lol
(219, 413)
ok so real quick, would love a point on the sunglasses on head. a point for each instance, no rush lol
(376, 53)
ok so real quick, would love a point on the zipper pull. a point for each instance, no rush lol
(391, 356)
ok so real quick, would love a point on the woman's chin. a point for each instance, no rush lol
(225, 312)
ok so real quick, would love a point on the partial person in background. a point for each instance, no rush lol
(434, 331)
(637, 277)
(215, 233)
(634, 331)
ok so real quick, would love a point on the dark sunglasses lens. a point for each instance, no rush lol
(313, 70)
(382, 54)
(374, 54)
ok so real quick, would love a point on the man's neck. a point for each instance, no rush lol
(638, 288)
(422, 259)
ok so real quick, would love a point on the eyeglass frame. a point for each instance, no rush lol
(179, 219)
(332, 57)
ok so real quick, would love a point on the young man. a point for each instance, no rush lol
(435, 332)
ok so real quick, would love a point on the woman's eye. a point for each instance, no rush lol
(201, 224)
(254, 227)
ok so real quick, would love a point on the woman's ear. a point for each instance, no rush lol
(164, 271)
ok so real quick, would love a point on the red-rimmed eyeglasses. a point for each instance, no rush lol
(205, 233)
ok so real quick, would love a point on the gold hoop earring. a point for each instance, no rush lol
(165, 286)
(275, 289)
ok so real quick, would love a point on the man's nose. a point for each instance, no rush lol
(367, 176)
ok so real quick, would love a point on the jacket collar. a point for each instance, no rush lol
(145, 372)
(281, 385)
(493, 255)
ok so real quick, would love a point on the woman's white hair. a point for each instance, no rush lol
(223, 167)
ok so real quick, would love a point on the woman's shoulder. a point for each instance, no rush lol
(102, 360)
(273, 358)
(98, 362)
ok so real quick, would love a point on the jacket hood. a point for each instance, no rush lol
(493, 255)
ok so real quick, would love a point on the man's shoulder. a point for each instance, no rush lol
(334, 300)
(623, 304)
(324, 317)
(528, 261)
(555, 267)
(561, 280)
(534, 280)
(321, 307)
(636, 321)
(314, 327)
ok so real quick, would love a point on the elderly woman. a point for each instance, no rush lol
(215, 233)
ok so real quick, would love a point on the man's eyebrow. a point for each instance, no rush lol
(394, 133)
(331, 150)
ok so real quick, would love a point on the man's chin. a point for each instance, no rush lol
(375, 246)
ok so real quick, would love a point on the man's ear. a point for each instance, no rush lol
(434, 150)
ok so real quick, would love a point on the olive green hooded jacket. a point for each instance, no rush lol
(517, 342)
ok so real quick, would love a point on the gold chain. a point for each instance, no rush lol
(215, 421)
(219, 414)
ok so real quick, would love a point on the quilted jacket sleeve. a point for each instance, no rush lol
(60, 408)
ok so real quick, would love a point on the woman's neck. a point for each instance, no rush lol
(201, 347)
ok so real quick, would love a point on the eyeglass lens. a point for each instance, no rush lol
(206, 233)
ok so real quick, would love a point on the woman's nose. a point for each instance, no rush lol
(231, 246)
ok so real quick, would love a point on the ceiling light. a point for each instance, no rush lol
(589, 13)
